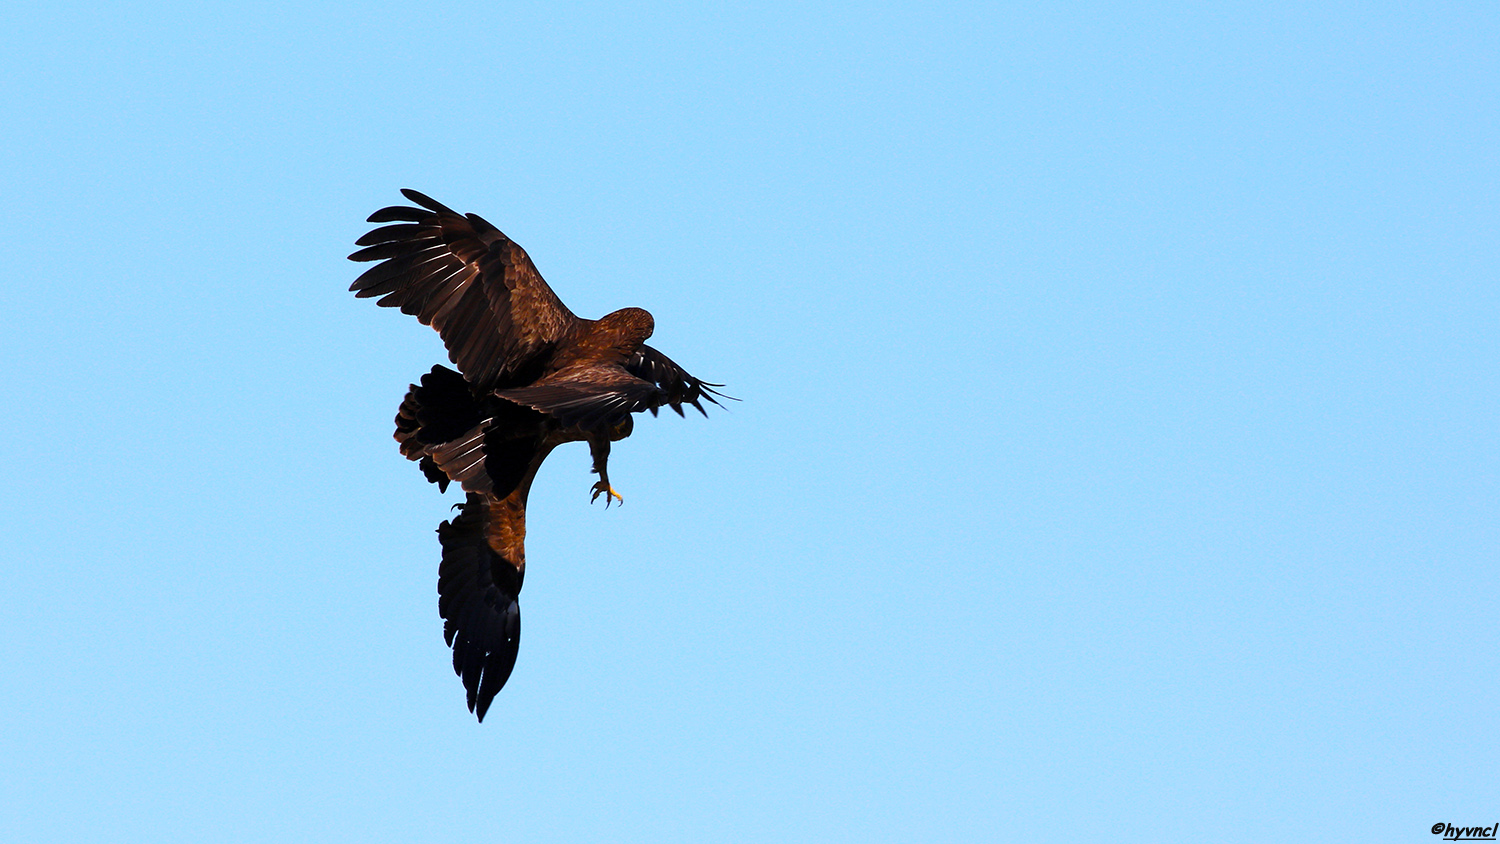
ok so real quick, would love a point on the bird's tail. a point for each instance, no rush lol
(438, 411)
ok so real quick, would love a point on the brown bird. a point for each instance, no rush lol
(531, 376)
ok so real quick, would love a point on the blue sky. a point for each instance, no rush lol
(1117, 458)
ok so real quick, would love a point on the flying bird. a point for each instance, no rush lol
(531, 376)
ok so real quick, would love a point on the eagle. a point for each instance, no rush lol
(531, 376)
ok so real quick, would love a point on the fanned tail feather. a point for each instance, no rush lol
(441, 409)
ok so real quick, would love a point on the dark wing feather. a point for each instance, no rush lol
(490, 458)
(679, 387)
(466, 279)
(478, 588)
(588, 397)
(462, 459)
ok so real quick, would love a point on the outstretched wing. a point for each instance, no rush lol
(600, 395)
(464, 277)
(484, 563)
(678, 387)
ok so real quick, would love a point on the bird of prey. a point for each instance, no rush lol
(531, 376)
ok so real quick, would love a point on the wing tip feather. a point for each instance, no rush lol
(426, 201)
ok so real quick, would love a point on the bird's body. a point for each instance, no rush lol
(531, 376)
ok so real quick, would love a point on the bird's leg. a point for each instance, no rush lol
(600, 448)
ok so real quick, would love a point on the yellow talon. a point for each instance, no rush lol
(604, 489)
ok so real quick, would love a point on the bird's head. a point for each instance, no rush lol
(627, 327)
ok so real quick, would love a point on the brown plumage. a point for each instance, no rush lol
(531, 376)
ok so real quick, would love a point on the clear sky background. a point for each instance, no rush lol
(1117, 461)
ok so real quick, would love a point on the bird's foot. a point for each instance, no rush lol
(603, 488)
